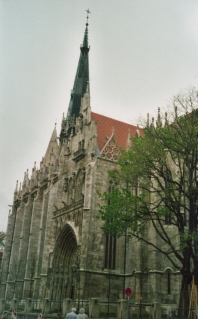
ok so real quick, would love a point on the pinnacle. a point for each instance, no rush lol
(52, 148)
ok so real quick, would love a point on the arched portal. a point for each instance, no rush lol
(64, 271)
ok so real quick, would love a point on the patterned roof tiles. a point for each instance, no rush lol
(104, 128)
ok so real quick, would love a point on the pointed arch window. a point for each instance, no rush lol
(168, 288)
(110, 252)
(110, 247)
(168, 283)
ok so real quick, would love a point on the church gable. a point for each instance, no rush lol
(104, 126)
(111, 150)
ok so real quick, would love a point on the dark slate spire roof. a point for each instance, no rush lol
(81, 79)
(80, 87)
(85, 40)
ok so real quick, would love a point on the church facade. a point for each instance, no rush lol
(55, 247)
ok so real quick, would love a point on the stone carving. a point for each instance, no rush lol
(81, 121)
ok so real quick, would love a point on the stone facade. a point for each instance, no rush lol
(55, 247)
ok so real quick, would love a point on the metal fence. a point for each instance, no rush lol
(108, 308)
(94, 307)
(180, 313)
(141, 310)
(37, 305)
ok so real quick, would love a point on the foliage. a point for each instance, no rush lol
(158, 186)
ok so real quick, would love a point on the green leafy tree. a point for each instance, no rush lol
(158, 187)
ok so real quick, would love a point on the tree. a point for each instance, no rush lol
(158, 185)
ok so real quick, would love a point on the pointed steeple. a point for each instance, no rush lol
(81, 78)
(52, 150)
(80, 87)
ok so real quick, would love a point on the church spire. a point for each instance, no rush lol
(80, 86)
(81, 78)
(85, 44)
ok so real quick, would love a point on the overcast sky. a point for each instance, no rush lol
(142, 52)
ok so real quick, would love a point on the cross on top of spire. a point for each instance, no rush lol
(87, 15)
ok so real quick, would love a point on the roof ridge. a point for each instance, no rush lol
(113, 119)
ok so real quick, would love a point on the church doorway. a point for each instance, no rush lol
(64, 273)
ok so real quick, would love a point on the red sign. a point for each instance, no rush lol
(14, 315)
(128, 291)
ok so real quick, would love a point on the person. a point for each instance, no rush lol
(82, 314)
(72, 315)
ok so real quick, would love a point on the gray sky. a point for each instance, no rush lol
(142, 53)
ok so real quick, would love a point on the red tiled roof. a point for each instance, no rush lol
(104, 128)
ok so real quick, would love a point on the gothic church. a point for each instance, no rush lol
(55, 247)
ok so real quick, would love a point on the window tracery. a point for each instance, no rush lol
(110, 245)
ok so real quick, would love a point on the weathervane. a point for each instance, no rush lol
(87, 15)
